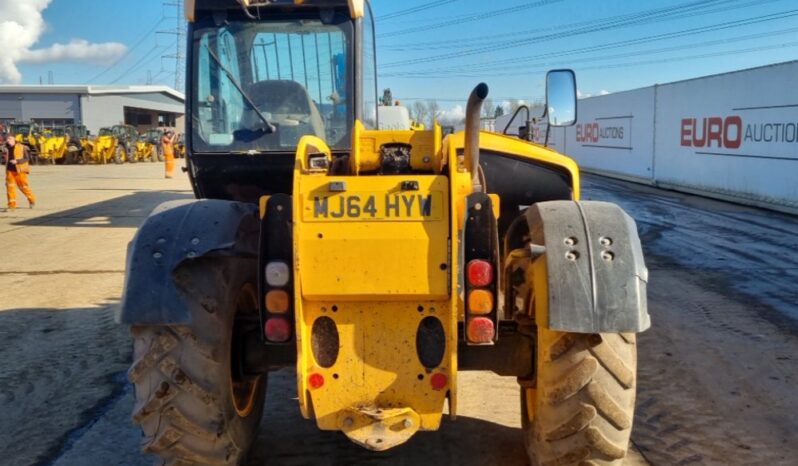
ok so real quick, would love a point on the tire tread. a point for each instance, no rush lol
(159, 367)
(585, 404)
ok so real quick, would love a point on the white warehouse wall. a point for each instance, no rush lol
(615, 133)
(109, 109)
(733, 136)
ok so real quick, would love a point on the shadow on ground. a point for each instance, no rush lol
(285, 438)
(60, 369)
(120, 212)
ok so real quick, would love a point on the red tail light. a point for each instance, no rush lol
(481, 330)
(479, 272)
(315, 380)
(277, 329)
(438, 381)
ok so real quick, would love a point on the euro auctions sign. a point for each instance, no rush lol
(733, 135)
(612, 132)
(761, 132)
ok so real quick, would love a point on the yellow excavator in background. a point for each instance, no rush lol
(378, 263)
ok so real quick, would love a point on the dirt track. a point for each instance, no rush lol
(717, 370)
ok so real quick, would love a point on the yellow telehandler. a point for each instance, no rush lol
(146, 149)
(53, 147)
(377, 263)
(77, 143)
(29, 134)
(150, 142)
(116, 144)
(64, 145)
(103, 148)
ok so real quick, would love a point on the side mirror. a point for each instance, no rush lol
(561, 97)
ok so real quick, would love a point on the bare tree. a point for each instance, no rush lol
(435, 111)
(487, 108)
(419, 112)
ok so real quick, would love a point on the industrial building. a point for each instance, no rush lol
(144, 107)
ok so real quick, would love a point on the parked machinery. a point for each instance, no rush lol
(30, 134)
(152, 138)
(116, 144)
(377, 263)
(180, 146)
(104, 148)
(53, 146)
(146, 151)
(77, 143)
(63, 145)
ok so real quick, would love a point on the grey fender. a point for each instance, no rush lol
(596, 273)
(176, 234)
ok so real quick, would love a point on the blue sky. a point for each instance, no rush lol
(443, 51)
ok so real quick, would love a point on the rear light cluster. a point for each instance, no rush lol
(277, 328)
(480, 301)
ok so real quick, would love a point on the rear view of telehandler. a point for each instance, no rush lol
(378, 263)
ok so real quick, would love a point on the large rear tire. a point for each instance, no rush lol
(131, 153)
(120, 154)
(72, 155)
(581, 407)
(193, 402)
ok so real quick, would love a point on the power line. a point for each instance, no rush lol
(499, 39)
(167, 77)
(470, 18)
(154, 50)
(610, 23)
(417, 9)
(682, 47)
(516, 61)
(129, 51)
(627, 64)
(180, 33)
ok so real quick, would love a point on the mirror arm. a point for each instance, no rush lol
(546, 141)
(517, 111)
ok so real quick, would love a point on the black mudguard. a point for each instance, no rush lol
(594, 260)
(175, 234)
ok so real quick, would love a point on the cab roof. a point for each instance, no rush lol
(356, 7)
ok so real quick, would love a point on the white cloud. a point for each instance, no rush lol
(510, 106)
(582, 95)
(23, 29)
(76, 50)
(453, 115)
(604, 92)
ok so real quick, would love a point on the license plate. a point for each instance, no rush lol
(374, 207)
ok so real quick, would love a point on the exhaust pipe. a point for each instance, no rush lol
(471, 150)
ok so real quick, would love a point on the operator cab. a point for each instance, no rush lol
(263, 76)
